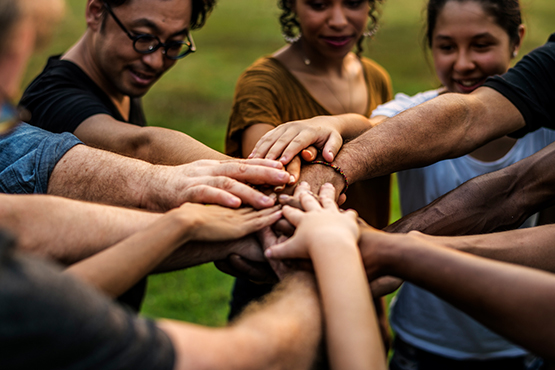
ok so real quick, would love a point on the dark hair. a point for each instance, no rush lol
(201, 10)
(290, 25)
(506, 13)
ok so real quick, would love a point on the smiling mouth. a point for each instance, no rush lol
(337, 40)
(470, 83)
(143, 78)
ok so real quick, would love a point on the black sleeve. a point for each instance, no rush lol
(63, 96)
(530, 86)
(52, 321)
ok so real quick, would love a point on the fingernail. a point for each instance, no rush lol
(273, 196)
(283, 176)
(268, 253)
(266, 199)
(291, 179)
(279, 188)
(283, 159)
(283, 197)
(304, 183)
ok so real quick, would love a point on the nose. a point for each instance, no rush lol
(154, 60)
(464, 62)
(337, 19)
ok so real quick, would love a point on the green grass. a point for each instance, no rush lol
(195, 97)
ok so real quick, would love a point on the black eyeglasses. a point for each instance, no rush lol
(146, 43)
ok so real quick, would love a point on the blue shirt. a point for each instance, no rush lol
(28, 156)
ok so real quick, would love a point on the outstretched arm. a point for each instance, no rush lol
(448, 126)
(329, 238)
(281, 333)
(156, 145)
(96, 175)
(117, 268)
(515, 301)
(496, 201)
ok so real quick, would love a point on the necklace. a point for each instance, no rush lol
(332, 91)
(307, 62)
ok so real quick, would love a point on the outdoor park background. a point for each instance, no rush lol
(195, 97)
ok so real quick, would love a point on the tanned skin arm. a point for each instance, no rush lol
(516, 301)
(448, 126)
(156, 145)
(282, 332)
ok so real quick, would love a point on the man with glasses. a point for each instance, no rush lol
(94, 89)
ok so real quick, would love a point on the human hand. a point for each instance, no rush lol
(235, 265)
(286, 141)
(215, 182)
(322, 223)
(215, 223)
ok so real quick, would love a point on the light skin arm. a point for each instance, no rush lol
(115, 269)
(327, 133)
(516, 301)
(68, 230)
(282, 332)
(96, 175)
(329, 238)
(156, 145)
(496, 201)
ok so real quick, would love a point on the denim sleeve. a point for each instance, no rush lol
(28, 156)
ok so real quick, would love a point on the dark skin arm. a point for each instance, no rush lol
(516, 302)
(497, 201)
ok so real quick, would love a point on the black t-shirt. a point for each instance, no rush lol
(530, 86)
(52, 321)
(63, 96)
(60, 99)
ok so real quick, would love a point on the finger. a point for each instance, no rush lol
(263, 162)
(228, 192)
(385, 285)
(253, 174)
(287, 249)
(332, 147)
(310, 202)
(267, 237)
(342, 199)
(262, 146)
(260, 222)
(288, 200)
(302, 187)
(281, 149)
(309, 154)
(327, 196)
(293, 215)
(238, 266)
(284, 227)
(294, 169)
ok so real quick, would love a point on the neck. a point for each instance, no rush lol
(82, 54)
(317, 63)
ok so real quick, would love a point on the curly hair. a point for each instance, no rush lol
(290, 25)
(199, 13)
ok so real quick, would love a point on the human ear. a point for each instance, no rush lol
(94, 14)
(521, 33)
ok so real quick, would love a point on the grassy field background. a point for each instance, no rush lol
(195, 97)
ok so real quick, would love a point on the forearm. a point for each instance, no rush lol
(515, 301)
(282, 332)
(353, 337)
(496, 201)
(532, 247)
(66, 230)
(352, 125)
(96, 175)
(170, 147)
(448, 126)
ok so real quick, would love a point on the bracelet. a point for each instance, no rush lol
(336, 169)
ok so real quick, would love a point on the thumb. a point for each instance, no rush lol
(332, 147)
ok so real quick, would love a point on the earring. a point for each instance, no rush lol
(515, 53)
(370, 32)
(291, 39)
